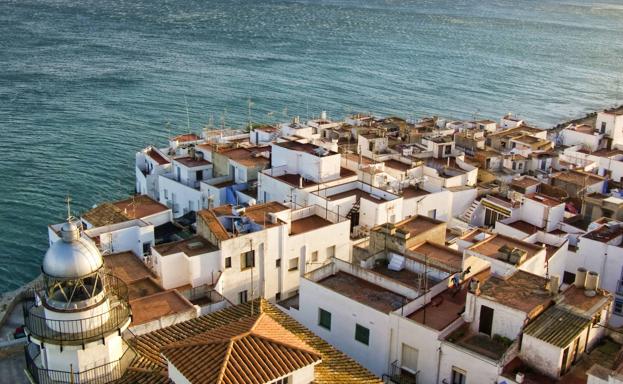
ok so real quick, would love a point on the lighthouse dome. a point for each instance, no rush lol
(71, 257)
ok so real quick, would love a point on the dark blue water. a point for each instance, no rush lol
(83, 86)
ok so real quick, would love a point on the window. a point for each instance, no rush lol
(285, 380)
(314, 256)
(514, 165)
(293, 264)
(278, 296)
(458, 376)
(448, 149)
(409, 358)
(331, 252)
(568, 278)
(603, 127)
(166, 194)
(278, 263)
(618, 306)
(242, 297)
(147, 248)
(247, 259)
(199, 175)
(362, 334)
(324, 319)
(228, 262)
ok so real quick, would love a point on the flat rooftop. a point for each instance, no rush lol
(491, 246)
(156, 156)
(524, 227)
(447, 306)
(479, 343)
(577, 178)
(195, 245)
(406, 277)
(127, 267)
(417, 224)
(544, 199)
(308, 224)
(140, 206)
(148, 308)
(411, 192)
(364, 292)
(448, 257)
(293, 179)
(397, 165)
(142, 288)
(192, 162)
(605, 233)
(523, 291)
(249, 157)
(305, 147)
(524, 182)
(576, 299)
(186, 137)
(359, 194)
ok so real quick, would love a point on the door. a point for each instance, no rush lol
(565, 357)
(486, 320)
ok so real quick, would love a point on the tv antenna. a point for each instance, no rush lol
(187, 114)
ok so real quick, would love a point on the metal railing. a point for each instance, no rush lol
(79, 330)
(400, 376)
(102, 374)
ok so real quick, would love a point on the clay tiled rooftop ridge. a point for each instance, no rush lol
(252, 350)
(150, 367)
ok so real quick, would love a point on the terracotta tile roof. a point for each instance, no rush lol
(252, 350)
(150, 367)
(105, 214)
(140, 206)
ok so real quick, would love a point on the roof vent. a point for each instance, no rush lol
(195, 245)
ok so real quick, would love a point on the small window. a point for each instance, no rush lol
(324, 319)
(448, 149)
(314, 256)
(247, 259)
(285, 380)
(242, 297)
(618, 306)
(278, 296)
(293, 264)
(331, 252)
(228, 262)
(278, 263)
(362, 334)
(147, 248)
(568, 278)
(458, 376)
(603, 127)
(166, 194)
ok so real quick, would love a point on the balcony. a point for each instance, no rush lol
(81, 330)
(105, 373)
(399, 375)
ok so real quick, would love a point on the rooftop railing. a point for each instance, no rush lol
(105, 373)
(79, 330)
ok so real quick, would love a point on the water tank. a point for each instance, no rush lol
(580, 278)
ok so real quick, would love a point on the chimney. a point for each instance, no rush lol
(580, 278)
(592, 280)
(554, 284)
(474, 286)
(300, 182)
(323, 115)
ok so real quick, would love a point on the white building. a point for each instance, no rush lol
(75, 320)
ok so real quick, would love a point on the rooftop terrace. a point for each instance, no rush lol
(364, 292)
(523, 291)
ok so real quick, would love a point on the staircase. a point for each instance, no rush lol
(469, 212)
(353, 210)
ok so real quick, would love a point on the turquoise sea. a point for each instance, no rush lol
(84, 84)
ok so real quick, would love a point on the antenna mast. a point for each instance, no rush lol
(187, 114)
